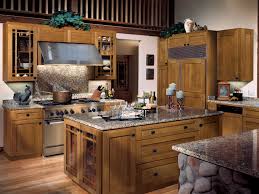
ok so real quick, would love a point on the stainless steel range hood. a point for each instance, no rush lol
(70, 54)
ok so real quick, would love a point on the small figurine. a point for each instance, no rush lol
(188, 25)
(23, 98)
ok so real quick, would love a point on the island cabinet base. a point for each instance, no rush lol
(129, 160)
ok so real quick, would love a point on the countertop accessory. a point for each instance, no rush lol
(180, 99)
(223, 91)
(23, 98)
(238, 94)
(62, 96)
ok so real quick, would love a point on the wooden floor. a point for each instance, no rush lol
(42, 175)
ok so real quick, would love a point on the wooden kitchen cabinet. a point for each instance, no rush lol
(20, 52)
(192, 65)
(119, 161)
(250, 119)
(163, 52)
(209, 127)
(231, 123)
(105, 42)
(50, 34)
(23, 133)
(162, 85)
(80, 36)
(235, 55)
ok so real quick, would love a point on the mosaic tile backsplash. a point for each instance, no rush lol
(63, 77)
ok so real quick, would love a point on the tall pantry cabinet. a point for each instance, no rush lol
(191, 64)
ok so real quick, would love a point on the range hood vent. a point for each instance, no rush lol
(70, 54)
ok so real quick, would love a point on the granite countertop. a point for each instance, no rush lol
(163, 115)
(12, 105)
(237, 152)
(247, 102)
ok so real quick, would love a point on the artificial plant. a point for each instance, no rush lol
(61, 19)
(175, 29)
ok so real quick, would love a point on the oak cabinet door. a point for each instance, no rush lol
(231, 124)
(119, 161)
(49, 34)
(193, 75)
(79, 36)
(174, 73)
(197, 38)
(227, 55)
(72, 139)
(195, 100)
(209, 127)
(178, 40)
(163, 52)
(28, 137)
(162, 85)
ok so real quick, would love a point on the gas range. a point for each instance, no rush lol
(53, 127)
(55, 111)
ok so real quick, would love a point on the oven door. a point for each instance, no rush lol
(53, 137)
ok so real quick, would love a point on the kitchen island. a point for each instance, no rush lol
(131, 156)
(220, 165)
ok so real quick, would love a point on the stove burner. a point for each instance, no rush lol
(74, 101)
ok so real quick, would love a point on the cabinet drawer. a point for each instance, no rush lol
(178, 40)
(197, 38)
(250, 123)
(161, 148)
(165, 129)
(251, 112)
(27, 114)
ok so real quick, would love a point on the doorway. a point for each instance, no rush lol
(126, 84)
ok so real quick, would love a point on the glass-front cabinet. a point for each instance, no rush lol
(20, 52)
(106, 45)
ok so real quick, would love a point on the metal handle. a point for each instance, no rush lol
(201, 125)
(185, 127)
(155, 174)
(153, 132)
(154, 150)
(133, 135)
(27, 115)
(54, 122)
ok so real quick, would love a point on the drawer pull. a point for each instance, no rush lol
(154, 151)
(133, 135)
(40, 123)
(201, 125)
(153, 132)
(27, 115)
(185, 127)
(155, 174)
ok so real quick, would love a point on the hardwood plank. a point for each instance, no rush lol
(43, 175)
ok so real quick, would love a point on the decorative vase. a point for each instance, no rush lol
(188, 25)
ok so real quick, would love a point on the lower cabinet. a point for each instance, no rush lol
(250, 119)
(22, 133)
(83, 155)
(119, 161)
(130, 160)
(231, 124)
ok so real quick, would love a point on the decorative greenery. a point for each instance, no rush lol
(175, 29)
(61, 19)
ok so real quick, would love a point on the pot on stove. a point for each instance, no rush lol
(62, 96)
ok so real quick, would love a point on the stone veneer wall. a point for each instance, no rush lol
(197, 176)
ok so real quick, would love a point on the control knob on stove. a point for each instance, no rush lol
(93, 110)
(82, 110)
(61, 113)
(66, 112)
(57, 112)
(72, 111)
(51, 114)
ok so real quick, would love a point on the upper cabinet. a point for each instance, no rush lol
(235, 55)
(20, 52)
(49, 34)
(190, 39)
(105, 42)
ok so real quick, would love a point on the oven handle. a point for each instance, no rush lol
(54, 122)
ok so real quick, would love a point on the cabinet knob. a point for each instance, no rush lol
(188, 44)
(40, 123)
(34, 77)
(184, 44)
(153, 132)
(185, 127)
(154, 151)
(155, 174)
(133, 135)
(201, 125)
(27, 115)
(237, 78)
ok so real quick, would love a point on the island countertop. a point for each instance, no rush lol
(162, 115)
(238, 152)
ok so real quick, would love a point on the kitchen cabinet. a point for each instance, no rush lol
(82, 37)
(83, 155)
(20, 52)
(130, 160)
(50, 34)
(162, 85)
(105, 42)
(250, 119)
(192, 65)
(190, 39)
(162, 82)
(231, 124)
(119, 161)
(22, 133)
(189, 76)
(235, 55)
